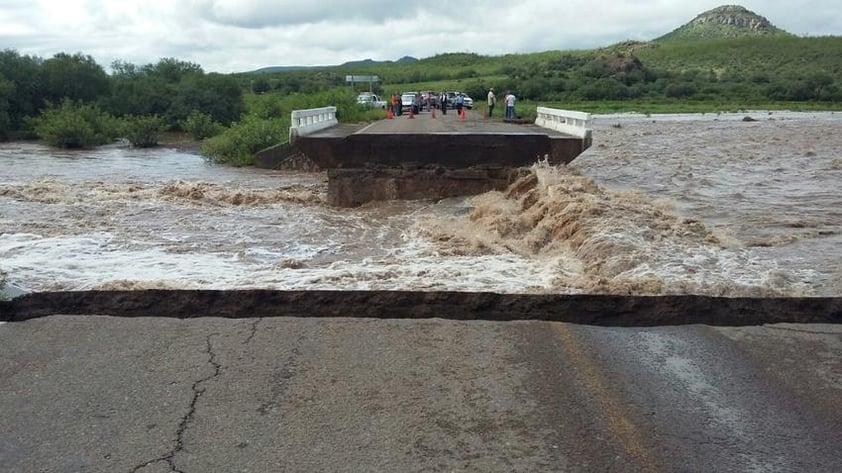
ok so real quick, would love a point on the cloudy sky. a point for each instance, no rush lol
(242, 35)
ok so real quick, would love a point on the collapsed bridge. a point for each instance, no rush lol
(431, 155)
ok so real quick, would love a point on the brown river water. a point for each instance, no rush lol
(703, 204)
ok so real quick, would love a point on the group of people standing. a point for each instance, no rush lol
(458, 103)
(509, 100)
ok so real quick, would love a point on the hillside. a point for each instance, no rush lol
(727, 21)
(725, 57)
(771, 55)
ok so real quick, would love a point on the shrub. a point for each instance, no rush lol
(268, 121)
(238, 144)
(143, 131)
(72, 125)
(200, 125)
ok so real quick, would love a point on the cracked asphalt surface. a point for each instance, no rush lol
(105, 394)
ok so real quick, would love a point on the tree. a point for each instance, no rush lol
(260, 85)
(822, 85)
(76, 77)
(23, 72)
(139, 94)
(124, 70)
(604, 89)
(217, 95)
(7, 89)
(680, 89)
(172, 70)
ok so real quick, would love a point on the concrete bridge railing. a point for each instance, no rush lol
(305, 122)
(565, 121)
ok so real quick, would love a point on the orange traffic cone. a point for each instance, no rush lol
(389, 114)
(462, 114)
(411, 115)
(433, 110)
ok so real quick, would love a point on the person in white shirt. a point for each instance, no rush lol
(510, 104)
(492, 100)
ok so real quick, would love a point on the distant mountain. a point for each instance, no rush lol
(349, 64)
(727, 21)
(363, 63)
(270, 69)
(372, 62)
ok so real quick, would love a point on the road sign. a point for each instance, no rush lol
(353, 79)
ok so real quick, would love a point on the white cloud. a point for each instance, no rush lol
(237, 35)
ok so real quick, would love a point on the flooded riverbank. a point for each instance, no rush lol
(699, 204)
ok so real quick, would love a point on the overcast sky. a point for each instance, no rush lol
(242, 35)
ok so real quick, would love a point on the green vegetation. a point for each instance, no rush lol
(759, 72)
(200, 125)
(237, 144)
(727, 59)
(142, 131)
(7, 90)
(268, 120)
(75, 125)
(172, 89)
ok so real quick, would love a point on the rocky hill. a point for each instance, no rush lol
(727, 21)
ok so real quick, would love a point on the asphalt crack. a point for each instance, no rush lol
(198, 391)
(253, 331)
(281, 379)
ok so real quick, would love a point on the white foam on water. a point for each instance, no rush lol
(495, 273)
(99, 260)
(83, 262)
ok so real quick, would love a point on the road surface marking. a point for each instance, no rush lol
(618, 423)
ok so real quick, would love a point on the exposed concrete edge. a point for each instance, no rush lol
(613, 310)
(10, 291)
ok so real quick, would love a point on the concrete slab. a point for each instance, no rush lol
(474, 123)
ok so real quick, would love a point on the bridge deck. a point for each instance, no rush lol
(444, 141)
(424, 123)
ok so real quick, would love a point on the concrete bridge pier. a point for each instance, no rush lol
(353, 187)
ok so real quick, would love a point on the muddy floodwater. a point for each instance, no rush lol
(702, 204)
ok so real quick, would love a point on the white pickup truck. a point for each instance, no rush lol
(371, 100)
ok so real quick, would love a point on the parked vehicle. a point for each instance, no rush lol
(451, 99)
(371, 100)
(429, 100)
(411, 99)
(467, 101)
